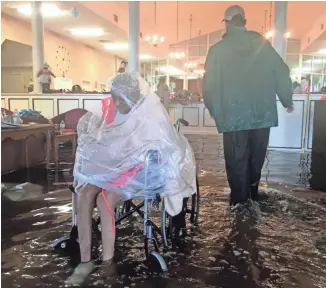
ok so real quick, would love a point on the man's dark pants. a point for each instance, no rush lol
(244, 153)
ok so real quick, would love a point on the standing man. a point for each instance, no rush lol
(243, 76)
(163, 91)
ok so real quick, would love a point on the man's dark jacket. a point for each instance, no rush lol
(243, 76)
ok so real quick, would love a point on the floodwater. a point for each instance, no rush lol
(280, 242)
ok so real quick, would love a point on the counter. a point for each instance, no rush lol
(51, 105)
(293, 133)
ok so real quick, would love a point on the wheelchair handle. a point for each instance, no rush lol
(183, 122)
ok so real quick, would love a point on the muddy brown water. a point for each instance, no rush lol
(280, 242)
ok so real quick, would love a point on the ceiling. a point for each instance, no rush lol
(85, 18)
(206, 17)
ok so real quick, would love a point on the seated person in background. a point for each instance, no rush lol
(296, 88)
(111, 157)
(323, 90)
(76, 89)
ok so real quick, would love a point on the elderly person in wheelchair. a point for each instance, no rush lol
(110, 163)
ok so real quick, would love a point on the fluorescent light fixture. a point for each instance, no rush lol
(116, 46)
(314, 61)
(269, 34)
(191, 77)
(177, 55)
(89, 32)
(171, 70)
(190, 65)
(199, 71)
(145, 57)
(322, 51)
(47, 10)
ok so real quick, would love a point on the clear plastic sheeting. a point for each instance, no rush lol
(131, 146)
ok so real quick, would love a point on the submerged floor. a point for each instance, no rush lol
(279, 243)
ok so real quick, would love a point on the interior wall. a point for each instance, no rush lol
(81, 62)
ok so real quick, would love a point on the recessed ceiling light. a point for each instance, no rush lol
(145, 57)
(322, 51)
(47, 10)
(90, 32)
(269, 34)
(116, 46)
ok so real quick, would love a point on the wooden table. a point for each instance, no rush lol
(66, 137)
(24, 132)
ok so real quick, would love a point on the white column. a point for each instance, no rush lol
(167, 73)
(133, 51)
(280, 24)
(185, 79)
(38, 43)
(185, 82)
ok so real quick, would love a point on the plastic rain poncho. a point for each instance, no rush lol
(132, 148)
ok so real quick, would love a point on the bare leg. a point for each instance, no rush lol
(108, 232)
(86, 201)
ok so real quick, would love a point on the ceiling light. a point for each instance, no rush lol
(322, 51)
(155, 39)
(47, 10)
(116, 46)
(200, 71)
(269, 34)
(171, 70)
(190, 65)
(90, 32)
(145, 57)
(177, 55)
(287, 35)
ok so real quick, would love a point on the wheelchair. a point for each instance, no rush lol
(157, 237)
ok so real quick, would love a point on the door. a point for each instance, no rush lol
(12, 83)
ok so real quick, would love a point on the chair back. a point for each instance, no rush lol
(8, 112)
(72, 117)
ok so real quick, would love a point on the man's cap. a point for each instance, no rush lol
(232, 11)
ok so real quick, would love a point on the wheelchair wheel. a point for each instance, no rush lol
(170, 233)
(165, 225)
(195, 200)
(67, 243)
(156, 262)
